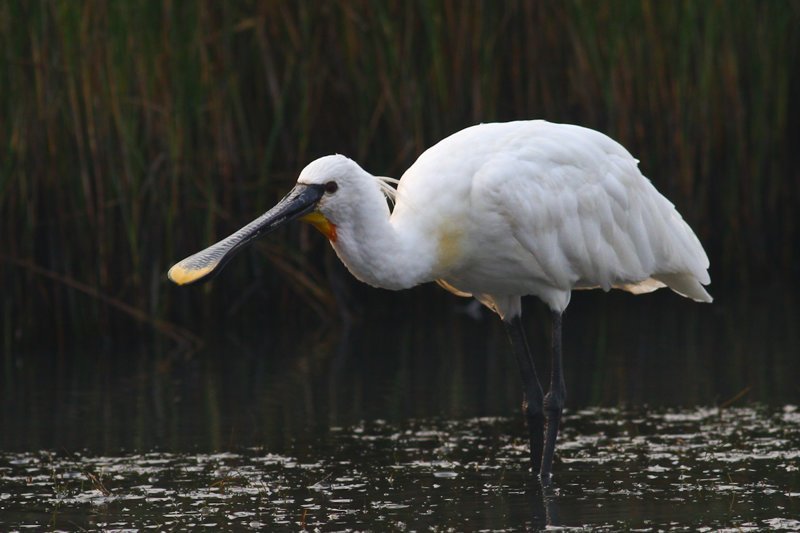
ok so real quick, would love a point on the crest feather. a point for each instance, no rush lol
(386, 187)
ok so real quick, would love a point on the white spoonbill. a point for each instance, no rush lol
(496, 211)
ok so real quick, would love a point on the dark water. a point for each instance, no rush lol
(680, 416)
(640, 469)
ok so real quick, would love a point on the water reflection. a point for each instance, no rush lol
(274, 387)
(618, 469)
(412, 422)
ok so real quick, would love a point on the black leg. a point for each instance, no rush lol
(554, 401)
(532, 399)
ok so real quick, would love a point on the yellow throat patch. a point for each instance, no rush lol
(325, 226)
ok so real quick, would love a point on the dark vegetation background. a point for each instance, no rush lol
(135, 133)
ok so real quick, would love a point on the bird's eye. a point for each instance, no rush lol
(331, 187)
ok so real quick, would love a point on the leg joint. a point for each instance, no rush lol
(554, 402)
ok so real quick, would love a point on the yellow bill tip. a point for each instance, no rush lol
(180, 275)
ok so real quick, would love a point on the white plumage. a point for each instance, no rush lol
(505, 210)
(498, 211)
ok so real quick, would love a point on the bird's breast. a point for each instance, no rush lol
(449, 246)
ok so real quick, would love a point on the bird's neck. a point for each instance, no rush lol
(380, 253)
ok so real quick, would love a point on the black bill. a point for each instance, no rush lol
(301, 200)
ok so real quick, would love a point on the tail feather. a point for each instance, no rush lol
(685, 285)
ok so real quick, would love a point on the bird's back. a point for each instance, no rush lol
(551, 208)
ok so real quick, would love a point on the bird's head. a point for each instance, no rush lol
(326, 192)
(341, 181)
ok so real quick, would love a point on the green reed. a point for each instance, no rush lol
(134, 133)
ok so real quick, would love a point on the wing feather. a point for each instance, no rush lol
(581, 208)
(560, 206)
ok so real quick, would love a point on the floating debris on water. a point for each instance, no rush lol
(731, 469)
